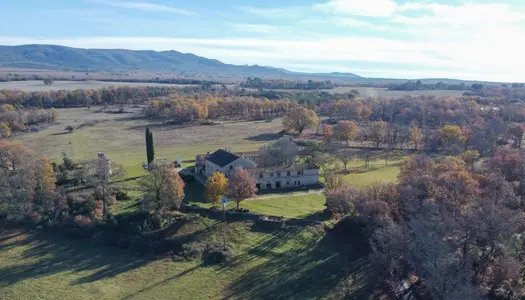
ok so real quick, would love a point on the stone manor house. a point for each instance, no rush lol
(295, 176)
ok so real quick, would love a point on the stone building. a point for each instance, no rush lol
(223, 161)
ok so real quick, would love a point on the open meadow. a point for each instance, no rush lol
(373, 92)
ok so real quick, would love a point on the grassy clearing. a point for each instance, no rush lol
(293, 263)
(121, 137)
(378, 171)
(290, 206)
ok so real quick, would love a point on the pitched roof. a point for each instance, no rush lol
(295, 167)
(222, 158)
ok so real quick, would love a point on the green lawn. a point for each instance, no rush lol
(300, 263)
(285, 206)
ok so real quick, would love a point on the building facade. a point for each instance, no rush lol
(267, 178)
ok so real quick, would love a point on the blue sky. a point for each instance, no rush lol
(479, 39)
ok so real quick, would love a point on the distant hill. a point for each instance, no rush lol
(52, 57)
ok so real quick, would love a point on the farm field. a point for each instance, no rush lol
(295, 262)
(36, 85)
(373, 92)
(366, 92)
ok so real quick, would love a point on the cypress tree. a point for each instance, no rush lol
(150, 151)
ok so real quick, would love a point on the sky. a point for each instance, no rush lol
(479, 39)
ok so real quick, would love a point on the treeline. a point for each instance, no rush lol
(449, 230)
(14, 120)
(83, 97)
(418, 85)
(184, 109)
(258, 83)
(310, 99)
(17, 77)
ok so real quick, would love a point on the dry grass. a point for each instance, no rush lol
(121, 137)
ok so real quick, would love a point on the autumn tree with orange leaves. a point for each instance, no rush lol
(163, 189)
(216, 188)
(27, 183)
(241, 186)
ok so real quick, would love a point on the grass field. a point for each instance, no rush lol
(121, 137)
(366, 92)
(37, 85)
(287, 206)
(293, 263)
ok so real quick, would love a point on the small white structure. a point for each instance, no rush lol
(225, 162)
(104, 166)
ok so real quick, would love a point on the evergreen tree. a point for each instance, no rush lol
(150, 151)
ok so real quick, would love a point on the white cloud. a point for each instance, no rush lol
(466, 14)
(269, 12)
(355, 23)
(254, 28)
(146, 6)
(488, 61)
(369, 8)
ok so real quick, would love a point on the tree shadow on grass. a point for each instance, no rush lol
(163, 282)
(194, 192)
(50, 254)
(307, 269)
(264, 137)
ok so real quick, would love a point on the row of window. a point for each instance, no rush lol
(288, 174)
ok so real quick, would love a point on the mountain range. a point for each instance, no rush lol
(167, 64)
(53, 57)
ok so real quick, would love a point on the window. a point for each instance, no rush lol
(288, 174)
(261, 175)
(279, 174)
(271, 174)
(231, 167)
(299, 173)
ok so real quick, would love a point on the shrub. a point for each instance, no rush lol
(190, 251)
(121, 195)
(83, 221)
(215, 254)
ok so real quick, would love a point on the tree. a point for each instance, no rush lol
(216, 187)
(100, 172)
(300, 118)
(150, 150)
(48, 81)
(340, 200)
(344, 155)
(346, 131)
(516, 132)
(163, 189)
(328, 133)
(450, 134)
(24, 178)
(241, 186)
(470, 157)
(415, 134)
(378, 132)
(282, 152)
(5, 130)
